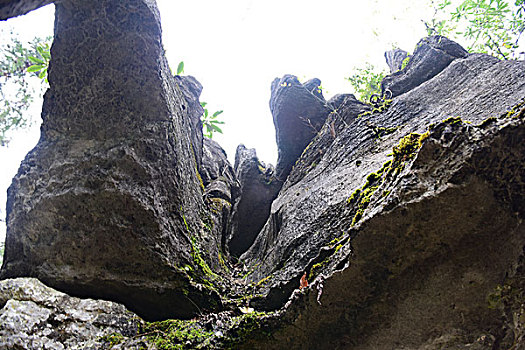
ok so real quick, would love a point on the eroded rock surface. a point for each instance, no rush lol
(191, 113)
(382, 236)
(395, 58)
(299, 111)
(431, 56)
(108, 204)
(396, 227)
(33, 316)
(13, 8)
(259, 187)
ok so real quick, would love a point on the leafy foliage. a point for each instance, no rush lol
(210, 124)
(180, 68)
(438, 24)
(490, 26)
(40, 63)
(366, 81)
(19, 64)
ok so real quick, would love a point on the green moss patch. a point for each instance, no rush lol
(175, 334)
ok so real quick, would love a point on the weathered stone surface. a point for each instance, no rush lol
(410, 259)
(221, 190)
(108, 204)
(192, 111)
(13, 8)
(394, 59)
(35, 317)
(432, 55)
(407, 223)
(259, 187)
(299, 111)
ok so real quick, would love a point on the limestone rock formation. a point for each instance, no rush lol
(221, 191)
(395, 58)
(431, 56)
(410, 220)
(259, 187)
(396, 227)
(192, 110)
(33, 316)
(299, 111)
(108, 204)
(12, 8)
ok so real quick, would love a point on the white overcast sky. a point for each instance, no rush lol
(235, 48)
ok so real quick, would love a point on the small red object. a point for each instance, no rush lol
(304, 282)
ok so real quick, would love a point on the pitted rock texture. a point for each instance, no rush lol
(380, 237)
(13, 8)
(259, 187)
(221, 191)
(431, 56)
(108, 204)
(406, 222)
(395, 58)
(299, 111)
(35, 317)
(192, 111)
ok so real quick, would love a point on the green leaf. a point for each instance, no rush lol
(217, 113)
(216, 128)
(35, 68)
(203, 104)
(180, 68)
(42, 74)
(36, 60)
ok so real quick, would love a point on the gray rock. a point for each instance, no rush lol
(108, 204)
(299, 111)
(13, 8)
(412, 255)
(221, 191)
(407, 223)
(431, 56)
(259, 187)
(36, 317)
(192, 111)
(394, 59)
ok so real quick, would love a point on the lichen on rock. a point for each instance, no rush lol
(399, 226)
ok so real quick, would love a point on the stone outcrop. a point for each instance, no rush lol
(12, 8)
(431, 56)
(108, 204)
(33, 316)
(221, 191)
(407, 210)
(399, 226)
(191, 113)
(299, 111)
(395, 58)
(259, 187)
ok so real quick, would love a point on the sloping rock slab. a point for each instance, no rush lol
(432, 260)
(431, 56)
(412, 220)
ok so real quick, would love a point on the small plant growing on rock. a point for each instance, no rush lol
(366, 81)
(210, 124)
